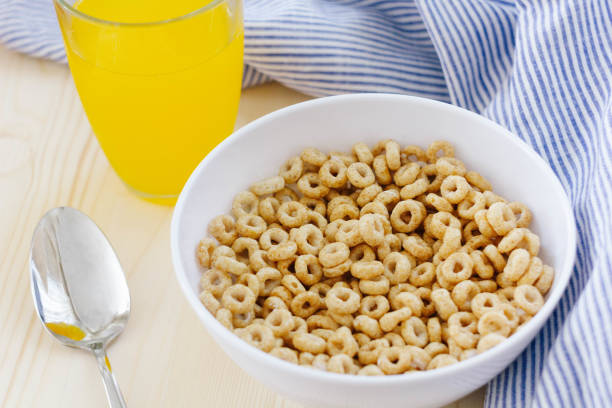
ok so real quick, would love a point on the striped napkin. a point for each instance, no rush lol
(541, 68)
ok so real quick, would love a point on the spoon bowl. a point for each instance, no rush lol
(78, 285)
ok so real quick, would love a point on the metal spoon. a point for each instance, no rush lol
(79, 288)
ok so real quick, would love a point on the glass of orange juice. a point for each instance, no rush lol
(159, 81)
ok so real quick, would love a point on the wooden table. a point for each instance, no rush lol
(49, 157)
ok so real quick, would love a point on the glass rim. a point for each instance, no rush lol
(63, 4)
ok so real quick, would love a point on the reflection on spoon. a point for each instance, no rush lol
(66, 330)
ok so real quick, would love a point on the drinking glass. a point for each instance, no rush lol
(159, 95)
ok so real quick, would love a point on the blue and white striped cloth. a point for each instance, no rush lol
(541, 68)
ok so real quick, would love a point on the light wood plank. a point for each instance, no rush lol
(49, 157)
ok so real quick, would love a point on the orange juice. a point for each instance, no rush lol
(160, 85)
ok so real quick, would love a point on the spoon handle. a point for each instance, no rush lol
(113, 393)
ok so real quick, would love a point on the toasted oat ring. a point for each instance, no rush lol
(314, 204)
(389, 197)
(392, 155)
(517, 264)
(368, 326)
(283, 251)
(441, 360)
(250, 226)
(434, 179)
(272, 237)
(313, 156)
(483, 303)
(319, 321)
(363, 153)
(238, 299)
(305, 304)
(368, 352)
(368, 194)
(439, 146)
(381, 170)
(485, 228)
(440, 221)
(292, 214)
(454, 189)
(520, 238)
(416, 188)
(205, 250)
(407, 215)
(463, 293)
(510, 313)
(422, 274)
(338, 270)
(269, 278)
(215, 282)
(285, 195)
(501, 218)
(478, 181)
(414, 332)
(375, 286)
(367, 269)
(417, 247)
(342, 300)
(374, 306)
(371, 229)
(333, 254)
(449, 166)
(394, 360)
(310, 185)
(342, 342)
(308, 270)
(258, 335)
(292, 284)
(522, 214)
(434, 332)
(309, 343)
(494, 322)
(397, 268)
(492, 253)
(292, 170)
(489, 341)
(342, 364)
(333, 173)
(443, 303)
(230, 265)
(414, 154)
(223, 228)
(528, 298)
(280, 321)
(391, 320)
(410, 300)
(348, 233)
(451, 242)
(362, 252)
(471, 203)
(244, 247)
(360, 175)
(375, 207)
(439, 203)
(268, 186)
(458, 267)
(209, 301)
(344, 211)
(245, 203)
(267, 209)
(407, 174)
(533, 272)
(309, 239)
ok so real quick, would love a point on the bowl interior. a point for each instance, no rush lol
(258, 150)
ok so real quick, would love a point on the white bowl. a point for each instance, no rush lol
(335, 123)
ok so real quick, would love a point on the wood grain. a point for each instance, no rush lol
(49, 158)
